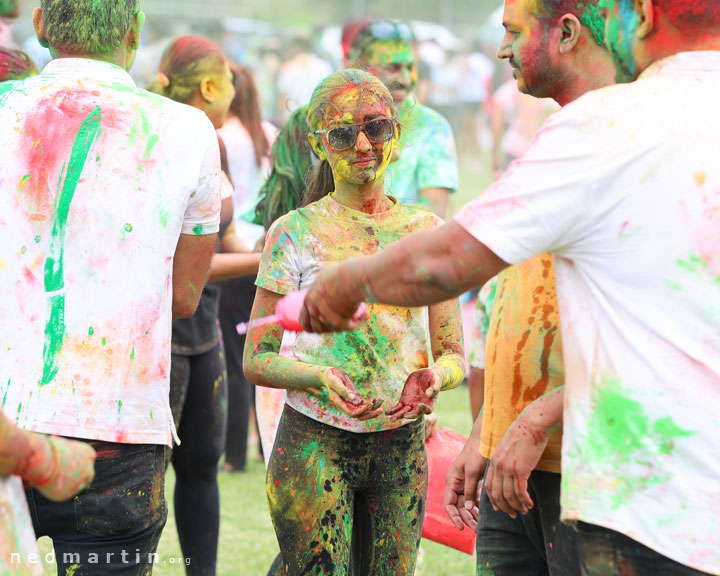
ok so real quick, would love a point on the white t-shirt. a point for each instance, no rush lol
(247, 177)
(19, 554)
(98, 181)
(623, 187)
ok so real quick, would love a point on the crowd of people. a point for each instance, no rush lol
(143, 223)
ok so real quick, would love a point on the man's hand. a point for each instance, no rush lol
(462, 486)
(506, 479)
(62, 468)
(418, 395)
(329, 306)
(338, 390)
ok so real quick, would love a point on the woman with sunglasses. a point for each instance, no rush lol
(350, 446)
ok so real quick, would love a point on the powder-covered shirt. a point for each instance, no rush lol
(19, 555)
(384, 351)
(481, 323)
(427, 154)
(98, 181)
(523, 354)
(622, 186)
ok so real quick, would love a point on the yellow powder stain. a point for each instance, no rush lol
(2, 264)
(700, 178)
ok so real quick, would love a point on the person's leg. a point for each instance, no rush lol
(114, 526)
(559, 539)
(504, 547)
(605, 552)
(202, 432)
(395, 497)
(310, 495)
(236, 300)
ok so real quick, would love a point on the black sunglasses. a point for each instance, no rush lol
(377, 130)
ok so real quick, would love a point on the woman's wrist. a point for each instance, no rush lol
(451, 370)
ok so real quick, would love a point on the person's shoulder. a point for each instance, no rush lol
(424, 118)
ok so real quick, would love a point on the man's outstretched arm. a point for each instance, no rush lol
(425, 268)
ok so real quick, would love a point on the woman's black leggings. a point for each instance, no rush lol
(198, 398)
(322, 480)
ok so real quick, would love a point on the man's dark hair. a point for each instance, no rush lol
(689, 15)
(87, 26)
(586, 11)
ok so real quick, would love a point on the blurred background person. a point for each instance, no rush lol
(194, 71)
(425, 169)
(15, 65)
(248, 141)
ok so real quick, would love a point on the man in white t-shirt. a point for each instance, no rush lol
(109, 208)
(622, 187)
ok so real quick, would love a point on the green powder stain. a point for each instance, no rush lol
(24, 180)
(152, 416)
(91, 331)
(23, 249)
(104, 341)
(119, 406)
(152, 141)
(54, 270)
(5, 395)
(132, 354)
(621, 434)
(37, 239)
(17, 418)
(128, 227)
(198, 230)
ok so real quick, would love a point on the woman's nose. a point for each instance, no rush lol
(362, 142)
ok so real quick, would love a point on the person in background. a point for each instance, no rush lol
(9, 12)
(194, 71)
(110, 198)
(15, 65)
(248, 140)
(425, 169)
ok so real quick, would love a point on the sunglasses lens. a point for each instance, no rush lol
(379, 131)
(342, 138)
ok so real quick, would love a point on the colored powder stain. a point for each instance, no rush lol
(2, 263)
(132, 354)
(128, 227)
(37, 239)
(104, 341)
(24, 180)
(198, 229)
(119, 406)
(152, 141)
(23, 249)
(700, 178)
(152, 416)
(54, 272)
(621, 434)
(91, 331)
(5, 395)
(70, 570)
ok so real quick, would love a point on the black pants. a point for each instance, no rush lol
(318, 476)
(198, 397)
(236, 300)
(608, 553)
(114, 526)
(535, 544)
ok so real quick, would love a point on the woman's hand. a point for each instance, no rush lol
(418, 395)
(338, 390)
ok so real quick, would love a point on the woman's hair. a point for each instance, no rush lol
(15, 65)
(246, 107)
(322, 181)
(184, 65)
(291, 161)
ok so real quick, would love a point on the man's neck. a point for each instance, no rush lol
(667, 42)
(112, 58)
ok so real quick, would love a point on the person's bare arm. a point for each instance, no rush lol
(58, 467)
(227, 266)
(476, 387)
(423, 269)
(190, 271)
(264, 366)
(436, 199)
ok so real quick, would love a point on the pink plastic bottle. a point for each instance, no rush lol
(288, 311)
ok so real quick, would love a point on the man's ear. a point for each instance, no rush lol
(39, 25)
(135, 30)
(318, 146)
(208, 90)
(570, 30)
(646, 18)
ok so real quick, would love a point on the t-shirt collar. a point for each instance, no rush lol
(348, 213)
(105, 72)
(685, 63)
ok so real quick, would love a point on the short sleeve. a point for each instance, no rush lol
(546, 201)
(202, 215)
(438, 162)
(280, 269)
